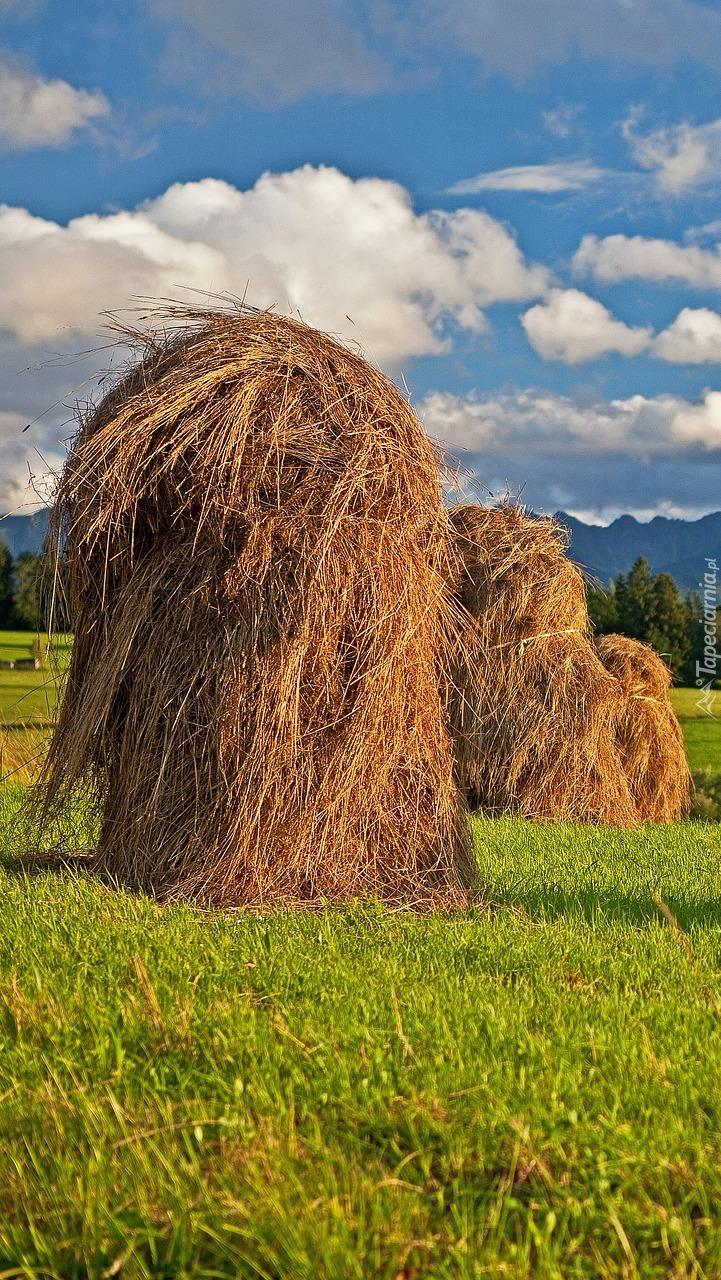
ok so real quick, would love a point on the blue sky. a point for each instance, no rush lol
(512, 204)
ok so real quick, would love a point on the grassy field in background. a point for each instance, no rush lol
(529, 1088)
(29, 696)
(686, 703)
(20, 644)
(703, 742)
(702, 732)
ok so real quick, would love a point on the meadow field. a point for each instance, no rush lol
(526, 1088)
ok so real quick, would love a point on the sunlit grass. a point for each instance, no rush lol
(528, 1088)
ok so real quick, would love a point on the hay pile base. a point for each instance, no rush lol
(534, 710)
(259, 561)
(649, 735)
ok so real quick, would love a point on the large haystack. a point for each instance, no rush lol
(259, 556)
(534, 710)
(649, 735)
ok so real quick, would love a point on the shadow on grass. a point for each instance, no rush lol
(61, 868)
(596, 906)
(599, 905)
(19, 865)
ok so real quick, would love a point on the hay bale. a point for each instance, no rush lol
(533, 708)
(649, 735)
(258, 557)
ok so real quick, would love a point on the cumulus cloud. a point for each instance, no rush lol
(282, 50)
(693, 338)
(681, 157)
(312, 240)
(573, 328)
(37, 418)
(709, 231)
(621, 257)
(550, 425)
(35, 112)
(594, 458)
(57, 279)
(549, 178)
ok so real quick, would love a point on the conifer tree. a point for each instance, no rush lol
(7, 603)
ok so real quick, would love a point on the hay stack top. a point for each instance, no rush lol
(242, 412)
(517, 579)
(639, 668)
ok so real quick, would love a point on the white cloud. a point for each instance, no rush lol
(312, 239)
(682, 156)
(623, 257)
(283, 51)
(55, 279)
(547, 424)
(43, 113)
(709, 231)
(561, 175)
(573, 328)
(693, 338)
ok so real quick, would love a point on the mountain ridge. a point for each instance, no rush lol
(670, 545)
(24, 533)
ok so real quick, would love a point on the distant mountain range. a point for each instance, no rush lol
(24, 533)
(678, 547)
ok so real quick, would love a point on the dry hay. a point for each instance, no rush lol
(533, 708)
(258, 557)
(649, 734)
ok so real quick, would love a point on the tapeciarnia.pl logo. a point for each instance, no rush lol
(707, 670)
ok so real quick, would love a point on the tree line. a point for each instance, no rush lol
(648, 606)
(20, 591)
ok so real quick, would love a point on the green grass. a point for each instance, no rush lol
(530, 1088)
(16, 644)
(703, 743)
(19, 644)
(701, 731)
(29, 696)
